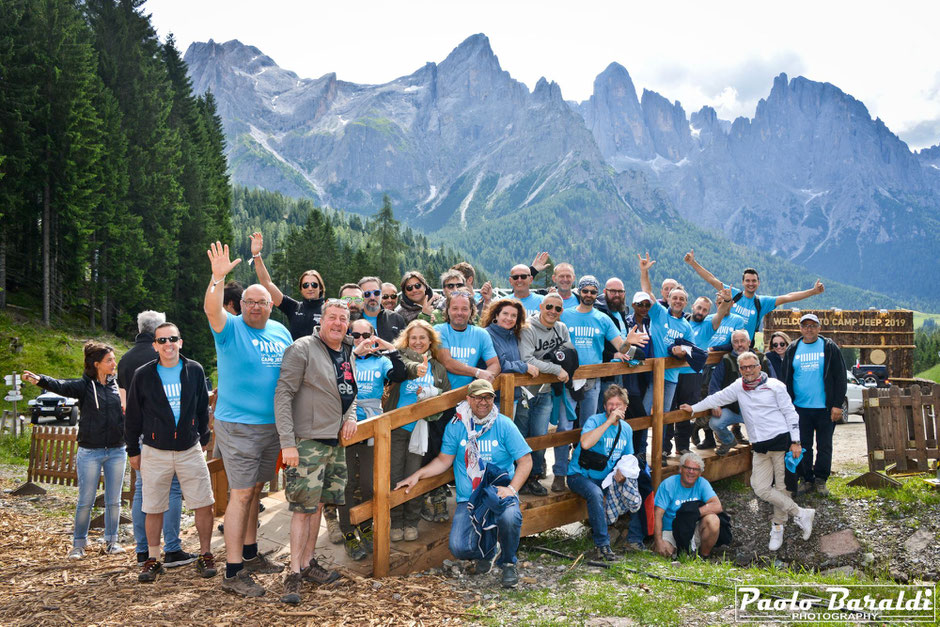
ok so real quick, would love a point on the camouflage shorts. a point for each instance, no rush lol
(319, 478)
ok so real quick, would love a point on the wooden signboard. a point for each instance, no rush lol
(881, 336)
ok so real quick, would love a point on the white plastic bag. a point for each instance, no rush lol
(418, 444)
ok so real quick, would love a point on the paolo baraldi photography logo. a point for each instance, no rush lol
(808, 603)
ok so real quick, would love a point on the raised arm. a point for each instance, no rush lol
(221, 265)
(264, 278)
(792, 297)
(723, 299)
(707, 276)
(645, 265)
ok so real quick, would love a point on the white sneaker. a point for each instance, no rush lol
(77, 553)
(114, 549)
(804, 520)
(776, 537)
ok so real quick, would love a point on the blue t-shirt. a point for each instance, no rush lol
(745, 308)
(249, 363)
(501, 446)
(374, 321)
(672, 494)
(809, 390)
(531, 304)
(473, 346)
(408, 393)
(729, 324)
(170, 378)
(664, 330)
(588, 332)
(370, 378)
(623, 446)
(571, 302)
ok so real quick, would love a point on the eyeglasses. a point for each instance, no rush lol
(254, 303)
(519, 277)
(557, 308)
(589, 292)
(389, 296)
(778, 344)
(691, 468)
(453, 286)
(413, 286)
(172, 339)
(482, 397)
(312, 284)
(352, 299)
(615, 291)
(749, 366)
(371, 293)
(364, 335)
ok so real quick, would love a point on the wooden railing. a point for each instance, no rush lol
(380, 428)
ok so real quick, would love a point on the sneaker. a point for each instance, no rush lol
(510, 576)
(243, 584)
(411, 533)
(366, 536)
(776, 537)
(150, 570)
(354, 548)
(723, 449)
(205, 565)
(695, 439)
(736, 430)
(683, 452)
(558, 484)
(440, 512)
(317, 574)
(427, 511)
(114, 548)
(332, 528)
(483, 566)
(665, 458)
(77, 553)
(142, 557)
(821, 489)
(637, 547)
(804, 520)
(175, 559)
(605, 554)
(293, 584)
(261, 565)
(396, 535)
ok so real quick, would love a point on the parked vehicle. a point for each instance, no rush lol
(49, 404)
(872, 375)
(852, 403)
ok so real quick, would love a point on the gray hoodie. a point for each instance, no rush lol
(537, 341)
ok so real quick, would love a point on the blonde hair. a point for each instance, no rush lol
(435, 338)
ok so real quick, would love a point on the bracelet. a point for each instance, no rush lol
(214, 283)
(256, 256)
(513, 490)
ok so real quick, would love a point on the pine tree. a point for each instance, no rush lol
(385, 232)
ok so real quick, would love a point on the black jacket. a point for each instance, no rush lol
(137, 356)
(390, 325)
(835, 381)
(302, 315)
(149, 413)
(683, 525)
(609, 350)
(102, 421)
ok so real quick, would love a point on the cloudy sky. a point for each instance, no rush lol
(724, 54)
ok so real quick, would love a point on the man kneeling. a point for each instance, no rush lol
(689, 485)
(482, 445)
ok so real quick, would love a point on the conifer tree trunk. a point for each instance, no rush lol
(46, 261)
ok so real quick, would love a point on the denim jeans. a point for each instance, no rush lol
(171, 518)
(592, 492)
(720, 425)
(508, 528)
(819, 423)
(534, 423)
(89, 462)
(585, 410)
(669, 390)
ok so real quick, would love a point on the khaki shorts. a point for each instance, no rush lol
(696, 538)
(157, 468)
(249, 452)
(319, 478)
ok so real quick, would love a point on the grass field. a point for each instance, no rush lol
(920, 316)
(933, 374)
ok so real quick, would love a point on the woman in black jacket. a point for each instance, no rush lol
(100, 442)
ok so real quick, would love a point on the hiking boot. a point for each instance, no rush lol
(205, 565)
(695, 440)
(510, 576)
(366, 537)
(174, 559)
(605, 554)
(533, 487)
(558, 484)
(440, 512)
(822, 489)
(293, 584)
(243, 584)
(411, 533)
(77, 553)
(776, 537)
(315, 573)
(483, 566)
(150, 570)
(708, 442)
(261, 565)
(806, 487)
(332, 527)
(396, 534)
(723, 449)
(354, 548)
(804, 520)
(142, 557)
(114, 548)
(427, 510)
(736, 430)
(637, 547)
(665, 458)
(683, 452)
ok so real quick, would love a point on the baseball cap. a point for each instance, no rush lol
(809, 317)
(480, 386)
(639, 297)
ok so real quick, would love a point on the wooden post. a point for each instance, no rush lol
(381, 517)
(507, 391)
(655, 458)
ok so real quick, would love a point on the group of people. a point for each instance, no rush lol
(292, 394)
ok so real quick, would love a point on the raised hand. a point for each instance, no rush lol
(647, 263)
(257, 243)
(221, 261)
(423, 368)
(636, 337)
(819, 287)
(541, 261)
(486, 291)
(690, 257)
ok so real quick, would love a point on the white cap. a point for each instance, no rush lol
(639, 297)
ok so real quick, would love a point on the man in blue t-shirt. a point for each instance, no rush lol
(249, 349)
(748, 304)
(563, 277)
(466, 351)
(520, 277)
(477, 439)
(688, 485)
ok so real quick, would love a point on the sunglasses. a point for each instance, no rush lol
(453, 286)
(413, 286)
(778, 344)
(589, 292)
(389, 296)
(312, 284)
(364, 335)
(172, 339)
(645, 303)
(371, 293)
(519, 277)
(558, 308)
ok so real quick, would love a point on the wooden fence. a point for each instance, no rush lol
(902, 428)
(555, 510)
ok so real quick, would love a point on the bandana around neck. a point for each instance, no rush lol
(475, 466)
(750, 387)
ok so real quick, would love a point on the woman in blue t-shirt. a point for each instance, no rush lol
(600, 436)
(427, 378)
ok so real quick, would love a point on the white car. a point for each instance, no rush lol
(852, 403)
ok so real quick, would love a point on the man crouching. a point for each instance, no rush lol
(491, 462)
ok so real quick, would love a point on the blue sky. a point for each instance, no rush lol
(723, 54)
